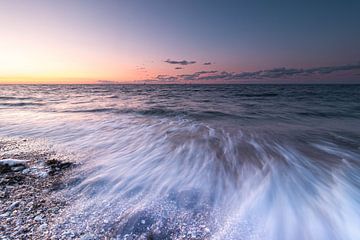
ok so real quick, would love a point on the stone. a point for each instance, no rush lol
(42, 174)
(4, 215)
(11, 162)
(38, 218)
(18, 168)
(14, 205)
(87, 237)
(43, 227)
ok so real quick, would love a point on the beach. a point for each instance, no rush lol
(30, 175)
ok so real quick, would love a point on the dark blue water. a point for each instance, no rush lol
(201, 161)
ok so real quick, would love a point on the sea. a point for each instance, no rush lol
(200, 161)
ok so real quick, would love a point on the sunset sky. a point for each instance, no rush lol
(179, 41)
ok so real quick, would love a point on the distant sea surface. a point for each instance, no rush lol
(202, 161)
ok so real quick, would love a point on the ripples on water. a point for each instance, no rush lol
(219, 162)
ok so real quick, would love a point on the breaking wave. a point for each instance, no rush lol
(259, 169)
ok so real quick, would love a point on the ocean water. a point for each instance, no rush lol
(201, 161)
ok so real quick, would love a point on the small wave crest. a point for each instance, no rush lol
(20, 104)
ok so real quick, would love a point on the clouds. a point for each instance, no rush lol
(275, 73)
(183, 62)
(294, 72)
(106, 82)
(165, 78)
(195, 76)
(325, 70)
(178, 68)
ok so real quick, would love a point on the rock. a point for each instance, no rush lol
(5, 168)
(56, 209)
(13, 162)
(43, 227)
(68, 234)
(191, 234)
(9, 164)
(42, 174)
(18, 168)
(38, 218)
(56, 166)
(87, 237)
(14, 205)
(2, 194)
(25, 171)
(5, 215)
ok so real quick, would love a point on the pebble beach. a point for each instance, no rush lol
(30, 177)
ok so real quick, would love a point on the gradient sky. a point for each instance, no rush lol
(159, 41)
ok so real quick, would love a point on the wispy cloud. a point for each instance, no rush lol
(165, 78)
(207, 63)
(106, 82)
(183, 62)
(291, 72)
(178, 68)
(275, 73)
(195, 76)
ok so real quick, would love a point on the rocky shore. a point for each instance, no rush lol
(31, 173)
(32, 205)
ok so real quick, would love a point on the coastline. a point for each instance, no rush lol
(31, 174)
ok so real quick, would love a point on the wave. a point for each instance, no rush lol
(208, 114)
(91, 110)
(154, 167)
(328, 115)
(14, 98)
(256, 95)
(219, 184)
(158, 112)
(20, 104)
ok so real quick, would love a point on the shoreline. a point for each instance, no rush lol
(31, 174)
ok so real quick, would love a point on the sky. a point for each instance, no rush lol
(187, 41)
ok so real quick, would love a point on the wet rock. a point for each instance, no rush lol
(14, 205)
(18, 168)
(4, 215)
(56, 166)
(38, 218)
(25, 171)
(4, 169)
(42, 174)
(87, 237)
(43, 227)
(10, 164)
(2, 194)
(13, 162)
